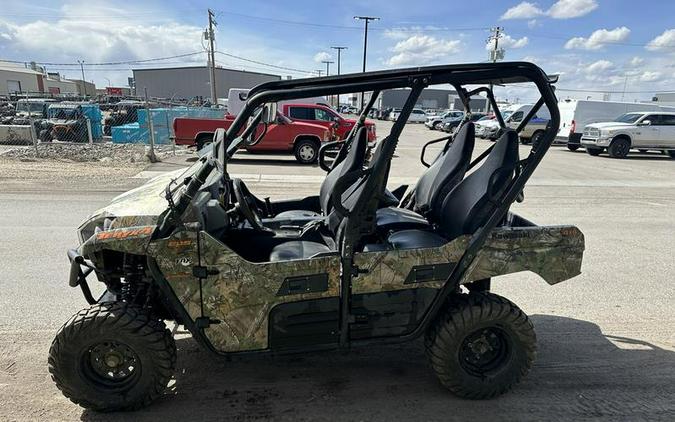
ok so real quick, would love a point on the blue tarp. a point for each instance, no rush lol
(162, 123)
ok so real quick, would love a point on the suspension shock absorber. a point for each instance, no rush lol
(134, 288)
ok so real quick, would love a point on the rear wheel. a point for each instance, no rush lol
(306, 151)
(593, 151)
(619, 148)
(573, 147)
(112, 356)
(643, 150)
(438, 126)
(481, 346)
(671, 153)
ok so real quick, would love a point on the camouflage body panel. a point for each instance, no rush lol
(134, 240)
(242, 294)
(553, 252)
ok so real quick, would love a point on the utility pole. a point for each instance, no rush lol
(319, 72)
(366, 19)
(339, 50)
(328, 63)
(84, 82)
(212, 57)
(495, 53)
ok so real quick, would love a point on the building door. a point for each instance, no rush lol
(13, 86)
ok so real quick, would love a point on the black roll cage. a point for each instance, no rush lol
(415, 78)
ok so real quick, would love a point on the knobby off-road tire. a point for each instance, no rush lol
(112, 356)
(481, 346)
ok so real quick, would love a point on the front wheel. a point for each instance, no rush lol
(619, 148)
(671, 153)
(593, 151)
(573, 147)
(481, 346)
(306, 151)
(112, 356)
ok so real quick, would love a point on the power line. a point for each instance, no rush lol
(263, 63)
(107, 63)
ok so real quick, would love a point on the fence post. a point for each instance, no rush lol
(151, 141)
(33, 135)
(89, 135)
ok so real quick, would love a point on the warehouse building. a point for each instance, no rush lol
(430, 98)
(20, 80)
(189, 82)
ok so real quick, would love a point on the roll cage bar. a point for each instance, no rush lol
(417, 79)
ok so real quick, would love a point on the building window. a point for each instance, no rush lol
(13, 86)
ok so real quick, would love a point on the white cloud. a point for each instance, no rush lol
(598, 39)
(599, 66)
(562, 9)
(524, 10)
(649, 76)
(422, 49)
(567, 9)
(321, 56)
(665, 41)
(507, 41)
(636, 61)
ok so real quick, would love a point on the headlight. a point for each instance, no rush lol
(93, 226)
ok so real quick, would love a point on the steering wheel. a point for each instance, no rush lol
(247, 206)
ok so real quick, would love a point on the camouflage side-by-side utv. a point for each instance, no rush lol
(355, 265)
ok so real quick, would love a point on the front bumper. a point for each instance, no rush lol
(78, 277)
(596, 142)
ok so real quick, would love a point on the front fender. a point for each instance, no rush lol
(134, 240)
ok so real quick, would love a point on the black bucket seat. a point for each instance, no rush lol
(446, 171)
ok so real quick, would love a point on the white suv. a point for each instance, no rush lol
(638, 130)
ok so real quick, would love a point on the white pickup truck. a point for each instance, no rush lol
(638, 130)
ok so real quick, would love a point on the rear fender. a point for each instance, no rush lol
(553, 252)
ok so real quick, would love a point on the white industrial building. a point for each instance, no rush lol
(19, 80)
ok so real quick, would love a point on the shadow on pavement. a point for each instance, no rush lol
(579, 373)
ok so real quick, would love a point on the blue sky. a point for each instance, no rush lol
(593, 44)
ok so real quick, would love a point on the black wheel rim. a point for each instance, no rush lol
(484, 350)
(621, 149)
(111, 365)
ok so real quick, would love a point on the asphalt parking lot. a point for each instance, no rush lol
(606, 337)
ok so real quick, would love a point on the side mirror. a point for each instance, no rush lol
(645, 123)
(269, 114)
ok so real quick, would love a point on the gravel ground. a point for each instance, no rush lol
(108, 153)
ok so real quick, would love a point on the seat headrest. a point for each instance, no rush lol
(468, 205)
(447, 170)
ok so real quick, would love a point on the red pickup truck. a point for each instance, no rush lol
(284, 135)
(325, 116)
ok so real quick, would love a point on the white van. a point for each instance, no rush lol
(576, 114)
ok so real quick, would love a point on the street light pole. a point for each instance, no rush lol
(366, 19)
(84, 82)
(109, 83)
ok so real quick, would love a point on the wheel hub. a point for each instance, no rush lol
(111, 361)
(306, 152)
(484, 350)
